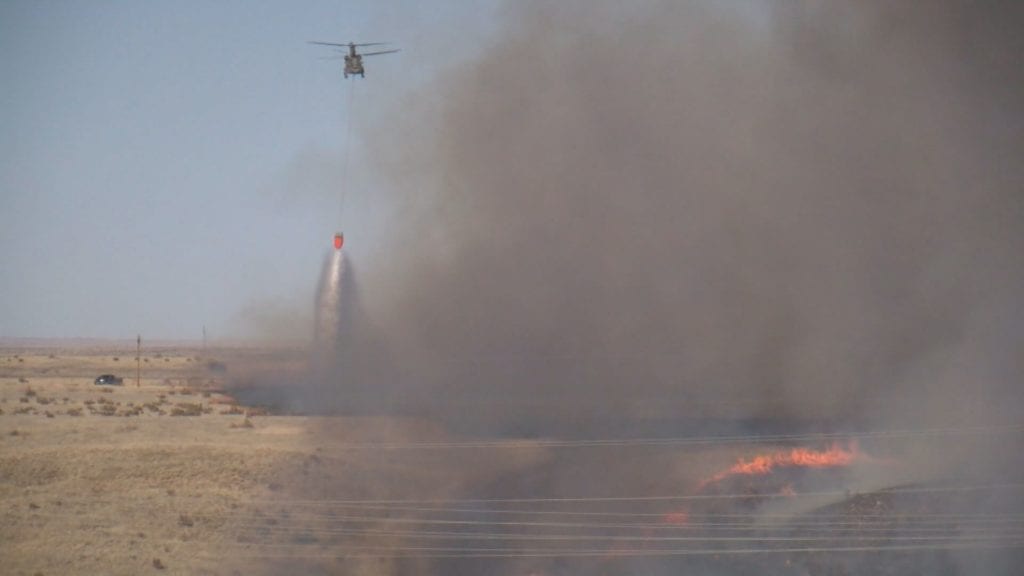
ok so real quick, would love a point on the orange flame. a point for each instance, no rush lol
(834, 457)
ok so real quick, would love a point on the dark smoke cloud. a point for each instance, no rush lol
(786, 210)
(721, 216)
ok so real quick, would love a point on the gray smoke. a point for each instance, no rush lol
(788, 213)
(783, 210)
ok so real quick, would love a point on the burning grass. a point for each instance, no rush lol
(836, 456)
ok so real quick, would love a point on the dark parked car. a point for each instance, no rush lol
(108, 380)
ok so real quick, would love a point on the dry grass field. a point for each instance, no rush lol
(169, 475)
(124, 479)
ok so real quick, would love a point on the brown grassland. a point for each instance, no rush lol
(169, 475)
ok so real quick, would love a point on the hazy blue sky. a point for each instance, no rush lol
(169, 165)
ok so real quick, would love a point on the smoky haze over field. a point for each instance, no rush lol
(814, 209)
(795, 216)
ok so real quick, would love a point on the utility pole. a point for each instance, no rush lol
(138, 361)
(204, 340)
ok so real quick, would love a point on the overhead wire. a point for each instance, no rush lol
(297, 532)
(440, 553)
(654, 498)
(903, 517)
(329, 508)
(686, 441)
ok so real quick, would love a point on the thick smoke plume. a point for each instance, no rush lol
(682, 217)
(786, 210)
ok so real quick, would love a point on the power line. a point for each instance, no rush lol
(413, 504)
(752, 534)
(687, 441)
(510, 524)
(656, 498)
(903, 517)
(455, 553)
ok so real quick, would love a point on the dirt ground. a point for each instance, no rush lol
(169, 475)
(124, 479)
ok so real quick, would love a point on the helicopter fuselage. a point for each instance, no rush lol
(354, 65)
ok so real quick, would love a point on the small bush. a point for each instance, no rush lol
(28, 391)
(158, 564)
(24, 380)
(187, 409)
(185, 520)
(74, 412)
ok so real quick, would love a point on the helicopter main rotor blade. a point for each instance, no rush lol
(327, 43)
(381, 52)
(348, 44)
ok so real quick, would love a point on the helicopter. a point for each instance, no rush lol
(354, 60)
